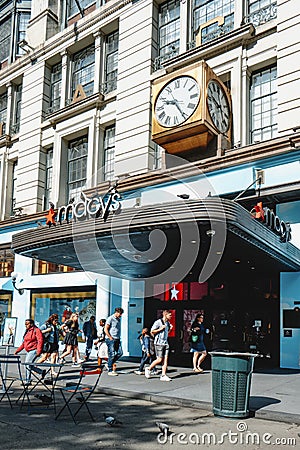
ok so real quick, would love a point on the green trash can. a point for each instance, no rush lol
(231, 380)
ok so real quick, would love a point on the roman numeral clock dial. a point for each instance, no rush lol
(218, 106)
(177, 101)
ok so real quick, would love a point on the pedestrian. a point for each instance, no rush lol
(147, 351)
(33, 345)
(71, 327)
(197, 343)
(90, 333)
(160, 330)
(50, 331)
(100, 344)
(113, 340)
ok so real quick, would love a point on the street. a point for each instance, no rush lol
(189, 428)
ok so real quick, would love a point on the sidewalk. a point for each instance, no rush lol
(274, 395)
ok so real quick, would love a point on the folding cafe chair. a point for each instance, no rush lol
(79, 393)
(9, 363)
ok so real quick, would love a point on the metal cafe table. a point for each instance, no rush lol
(42, 388)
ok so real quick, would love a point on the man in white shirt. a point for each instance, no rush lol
(160, 330)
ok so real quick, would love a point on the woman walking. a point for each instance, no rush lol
(71, 327)
(50, 332)
(197, 343)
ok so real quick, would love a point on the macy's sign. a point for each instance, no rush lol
(268, 217)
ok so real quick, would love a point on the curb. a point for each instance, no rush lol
(276, 416)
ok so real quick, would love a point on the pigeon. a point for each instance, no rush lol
(164, 428)
(110, 420)
(44, 398)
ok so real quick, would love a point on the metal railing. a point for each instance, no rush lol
(159, 60)
(263, 15)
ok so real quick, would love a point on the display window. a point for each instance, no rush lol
(63, 304)
(5, 310)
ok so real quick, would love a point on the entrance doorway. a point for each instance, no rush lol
(237, 317)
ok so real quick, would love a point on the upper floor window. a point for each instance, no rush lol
(13, 209)
(23, 19)
(168, 31)
(263, 105)
(44, 267)
(48, 178)
(55, 87)
(5, 38)
(77, 167)
(16, 112)
(111, 62)
(73, 6)
(261, 11)
(204, 14)
(83, 69)
(109, 153)
(7, 261)
(3, 113)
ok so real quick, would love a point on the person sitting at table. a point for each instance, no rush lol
(71, 341)
(33, 345)
(50, 332)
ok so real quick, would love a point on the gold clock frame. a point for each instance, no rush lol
(198, 130)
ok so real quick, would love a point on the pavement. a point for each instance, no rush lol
(274, 394)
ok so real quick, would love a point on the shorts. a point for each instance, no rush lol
(102, 350)
(161, 350)
(198, 347)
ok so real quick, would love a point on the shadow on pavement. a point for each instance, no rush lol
(256, 402)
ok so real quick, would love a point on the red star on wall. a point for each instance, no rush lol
(50, 218)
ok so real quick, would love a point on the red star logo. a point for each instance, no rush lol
(51, 217)
(258, 212)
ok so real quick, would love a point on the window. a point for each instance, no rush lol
(13, 211)
(3, 110)
(5, 38)
(16, 109)
(48, 180)
(77, 165)
(206, 10)
(109, 153)
(73, 6)
(261, 11)
(83, 71)
(44, 267)
(111, 62)
(5, 310)
(7, 261)
(168, 31)
(263, 104)
(55, 87)
(63, 304)
(23, 19)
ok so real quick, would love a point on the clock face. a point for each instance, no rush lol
(218, 106)
(177, 101)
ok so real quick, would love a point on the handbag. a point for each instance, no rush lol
(194, 337)
(46, 347)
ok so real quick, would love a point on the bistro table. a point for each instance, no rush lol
(42, 388)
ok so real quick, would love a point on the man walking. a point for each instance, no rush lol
(112, 331)
(160, 330)
(90, 333)
(33, 345)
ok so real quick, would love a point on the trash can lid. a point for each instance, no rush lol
(218, 353)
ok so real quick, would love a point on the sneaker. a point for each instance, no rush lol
(61, 361)
(138, 372)
(147, 372)
(112, 374)
(43, 374)
(82, 360)
(154, 372)
(165, 378)
(75, 364)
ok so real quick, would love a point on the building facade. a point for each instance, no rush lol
(77, 101)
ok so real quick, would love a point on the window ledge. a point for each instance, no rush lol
(73, 109)
(231, 40)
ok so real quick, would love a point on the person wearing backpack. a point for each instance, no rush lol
(160, 330)
(147, 352)
(197, 343)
